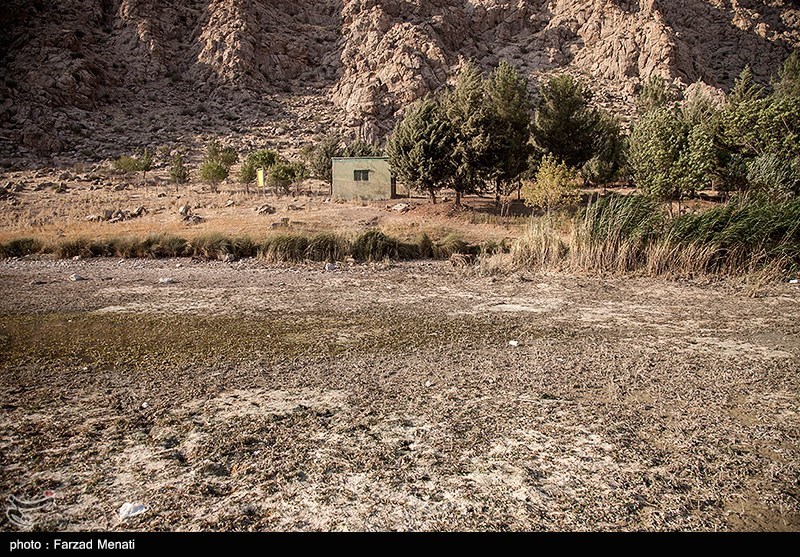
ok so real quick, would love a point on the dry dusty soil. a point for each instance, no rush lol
(244, 396)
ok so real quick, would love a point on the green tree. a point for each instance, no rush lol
(610, 151)
(224, 155)
(359, 148)
(281, 176)
(318, 157)
(255, 161)
(509, 134)
(788, 80)
(759, 126)
(213, 172)
(654, 95)
(555, 184)
(420, 149)
(145, 164)
(299, 170)
(471, 120)
(655, 147)
(564, 124)
(676, 151)
(217, 164)
(745, 89)
(178, 171)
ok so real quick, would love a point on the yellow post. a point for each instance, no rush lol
(261, 178)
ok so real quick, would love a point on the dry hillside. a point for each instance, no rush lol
(91, 78)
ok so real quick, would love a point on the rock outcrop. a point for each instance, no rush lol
(67, 66)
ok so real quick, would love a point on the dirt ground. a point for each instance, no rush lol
(414, 396)
(55, 204)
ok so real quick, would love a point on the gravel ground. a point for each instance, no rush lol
(394, 397)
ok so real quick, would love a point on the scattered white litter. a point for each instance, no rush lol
(129, 510)
(75, 277)
(166, 280)
(513, 343)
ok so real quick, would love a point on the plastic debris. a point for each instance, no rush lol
(129, 510)
(75, 277)
(513, 343)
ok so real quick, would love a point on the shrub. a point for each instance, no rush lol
(263, 159)
(127, 164)
(178, 171)
(283, 174)
(555, 184)
(213, 172)
(225, 155)
(142, 163)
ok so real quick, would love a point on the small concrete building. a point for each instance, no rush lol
(362, 178)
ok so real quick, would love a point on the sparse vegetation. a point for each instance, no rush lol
(178, 171)
(126, 164)
(143, 163)
(372, 245)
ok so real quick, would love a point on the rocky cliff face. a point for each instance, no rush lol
(68, 65)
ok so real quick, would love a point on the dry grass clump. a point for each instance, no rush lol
(632, 234)
(20, 247)
(216, 245)
(284, 248)
(327, 246)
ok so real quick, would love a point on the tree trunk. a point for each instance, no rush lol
(458, 198)
(432, 193)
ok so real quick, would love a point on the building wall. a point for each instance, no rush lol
(379, 185)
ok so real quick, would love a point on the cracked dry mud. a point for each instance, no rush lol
(253, 397)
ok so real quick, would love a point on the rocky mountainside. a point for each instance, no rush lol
(103, 75)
